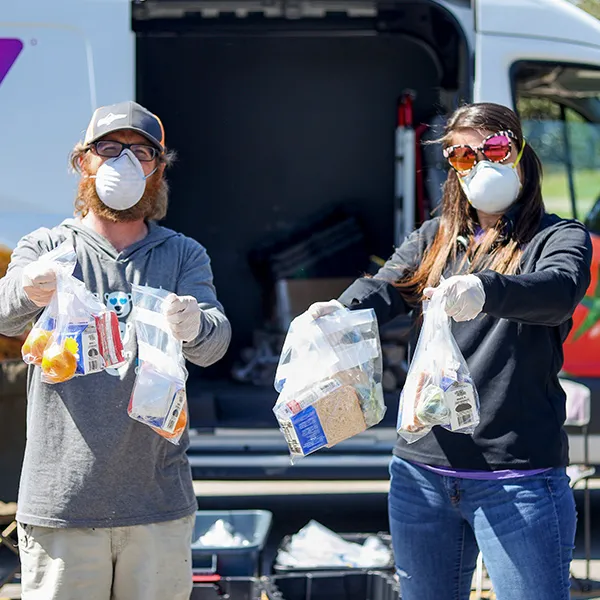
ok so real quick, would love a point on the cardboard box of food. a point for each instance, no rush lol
(294, 296)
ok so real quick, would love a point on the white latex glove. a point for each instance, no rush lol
(320, 309)
(464, 296)
(39, 282)
(183, 315)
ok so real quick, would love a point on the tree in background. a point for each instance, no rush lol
(591, 6)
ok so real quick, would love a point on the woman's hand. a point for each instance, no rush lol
(464, 295)
(320, 309)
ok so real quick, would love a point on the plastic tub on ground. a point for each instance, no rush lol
(232, 588)
(236, 561)
(345, 585)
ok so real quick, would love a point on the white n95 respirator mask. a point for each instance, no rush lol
(121, 182)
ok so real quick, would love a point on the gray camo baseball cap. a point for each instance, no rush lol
(126, 115)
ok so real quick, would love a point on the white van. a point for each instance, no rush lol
(280, 110)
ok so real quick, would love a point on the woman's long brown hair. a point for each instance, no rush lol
(501, 247)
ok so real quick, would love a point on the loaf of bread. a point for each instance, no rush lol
(340, 415)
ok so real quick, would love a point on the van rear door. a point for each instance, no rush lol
(278, 116)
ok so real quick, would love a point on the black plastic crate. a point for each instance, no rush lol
(231, 588)
(358, 538)
(353, 585)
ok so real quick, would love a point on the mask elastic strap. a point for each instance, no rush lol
(151, 172)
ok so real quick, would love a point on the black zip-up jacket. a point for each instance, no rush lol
(513, 349)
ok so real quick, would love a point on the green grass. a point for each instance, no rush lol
(555, 190)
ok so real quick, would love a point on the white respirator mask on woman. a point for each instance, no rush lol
(490, 185)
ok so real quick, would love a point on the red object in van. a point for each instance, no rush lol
(582, 348)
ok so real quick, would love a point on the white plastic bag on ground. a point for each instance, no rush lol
(316, 546)
(439, 389)
(159, 397)
(329, 380)
(223, 535)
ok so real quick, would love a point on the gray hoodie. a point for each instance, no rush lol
(87, 463)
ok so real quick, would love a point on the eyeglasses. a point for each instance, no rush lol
(112, 149)
(496, 148)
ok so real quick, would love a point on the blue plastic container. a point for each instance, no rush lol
(244, 561)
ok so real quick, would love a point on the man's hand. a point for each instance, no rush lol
(464, 296)
(39, 282)
(183, 315)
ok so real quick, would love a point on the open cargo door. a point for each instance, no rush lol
(284, 113)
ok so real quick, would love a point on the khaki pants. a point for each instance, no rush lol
(144, 562)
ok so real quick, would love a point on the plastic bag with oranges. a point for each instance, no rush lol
(63, 259)
(158, 398)
(38, 338)
(85, 338)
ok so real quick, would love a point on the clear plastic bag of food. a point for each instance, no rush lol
(159, 397)
(63, 259)
(329, 380)
(439, 389)
(85, 338)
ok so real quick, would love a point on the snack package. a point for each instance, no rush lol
(159, 397)
(85, 336)
(64, 259)
(438, 389)
(329, 380)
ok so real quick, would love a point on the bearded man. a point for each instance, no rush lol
(106, 505)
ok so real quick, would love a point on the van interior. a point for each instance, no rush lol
(284, 122)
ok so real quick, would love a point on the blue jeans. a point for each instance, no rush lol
(525, 529)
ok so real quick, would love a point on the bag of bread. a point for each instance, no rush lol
(439, 389)
(329, 380)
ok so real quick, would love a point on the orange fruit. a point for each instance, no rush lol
(60, 361)
(35, 344)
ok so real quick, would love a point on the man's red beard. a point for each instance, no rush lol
(153, 204)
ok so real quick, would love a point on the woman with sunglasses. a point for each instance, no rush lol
(511, 275)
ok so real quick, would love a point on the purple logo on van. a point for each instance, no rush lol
(9, 51)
